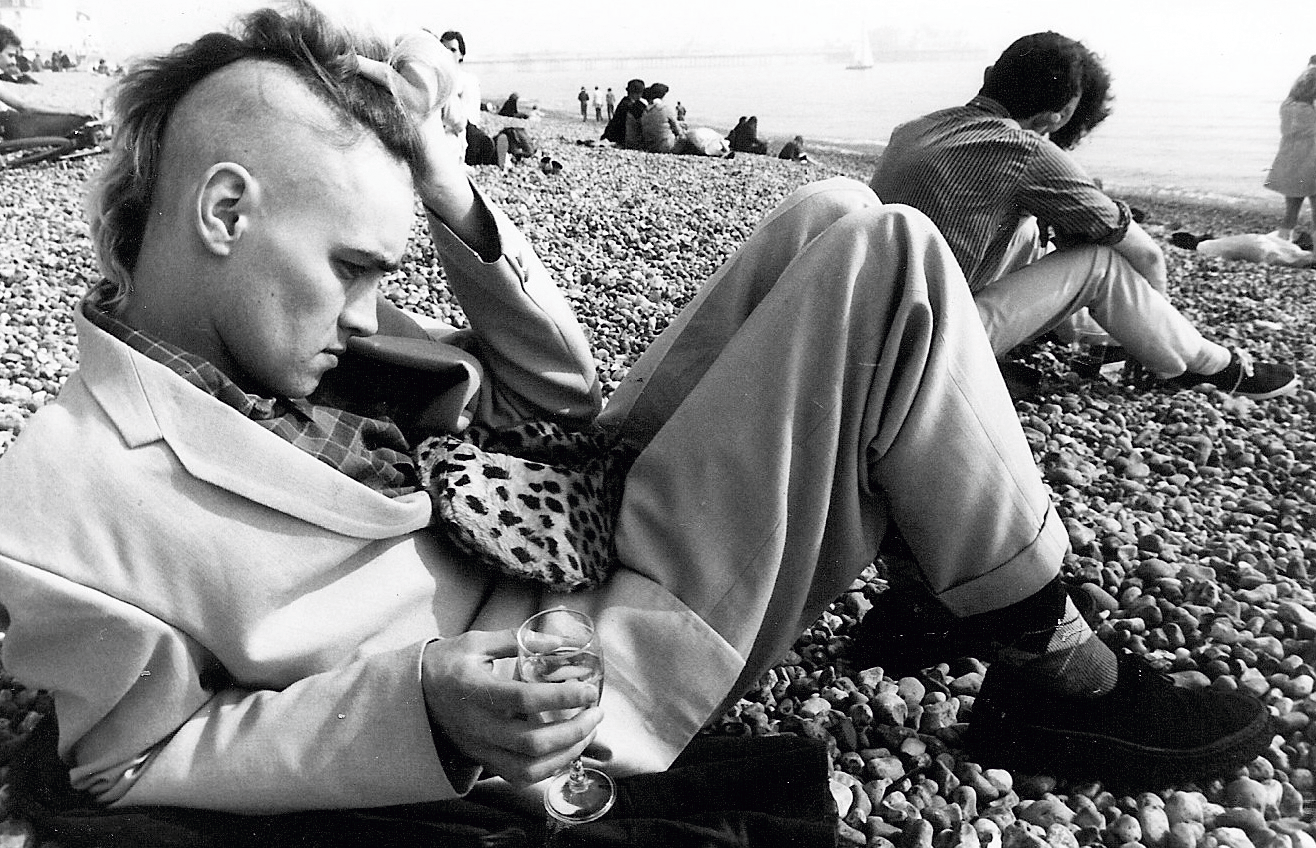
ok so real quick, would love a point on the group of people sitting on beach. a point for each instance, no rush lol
(253, 602)
(643, 120)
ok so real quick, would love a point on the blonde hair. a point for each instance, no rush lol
(322, 55)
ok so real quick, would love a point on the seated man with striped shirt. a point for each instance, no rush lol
(987, 172)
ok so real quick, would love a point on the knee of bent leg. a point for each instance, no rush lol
(896, 221)
(823, 202)
(904, 234)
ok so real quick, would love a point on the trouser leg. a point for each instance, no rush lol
(831, 377)
(1034, 299)
(1024, 249)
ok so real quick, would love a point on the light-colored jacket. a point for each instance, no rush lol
(226, 622)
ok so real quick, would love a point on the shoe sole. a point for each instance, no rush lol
(1289, 388)
(1078, 755)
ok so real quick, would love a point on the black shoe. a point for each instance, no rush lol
(1021, 381)
(1242, 376)
(908, 630)
(1186, 241)
(1105, 361)
(1147, 731)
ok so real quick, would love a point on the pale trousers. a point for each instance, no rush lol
(1033, 297)
(832, 378)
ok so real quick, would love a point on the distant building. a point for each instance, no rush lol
(46, 25)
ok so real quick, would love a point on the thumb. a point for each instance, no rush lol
(428, 68)
(420, 74)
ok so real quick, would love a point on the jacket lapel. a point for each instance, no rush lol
(216, 444)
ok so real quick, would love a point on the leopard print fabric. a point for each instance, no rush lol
(536, 500)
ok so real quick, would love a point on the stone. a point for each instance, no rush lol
(1020, 835)
(912, 691)
(1059, 836)
(1125, 829)
(1154, 823)
(889, 708)
(1183, 806)
(1185, 835)
(1245, 792)
(1232, 837)
(1045, 812)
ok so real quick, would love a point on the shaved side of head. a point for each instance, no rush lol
(253, 113)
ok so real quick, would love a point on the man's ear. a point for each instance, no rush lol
(1043, 123)
(228, 196)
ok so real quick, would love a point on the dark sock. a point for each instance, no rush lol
(1046, 637)
(1027, 624)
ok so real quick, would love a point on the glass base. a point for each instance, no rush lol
(576, 798)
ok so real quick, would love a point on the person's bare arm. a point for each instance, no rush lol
(1145, 255)
(16, 97)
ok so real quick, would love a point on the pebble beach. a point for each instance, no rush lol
(1191, 515)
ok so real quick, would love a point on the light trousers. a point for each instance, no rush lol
(1054, 291)
(832, 378)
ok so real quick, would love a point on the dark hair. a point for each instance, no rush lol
(1037, 73)
(1303, 89)
(454, 35)
(1094, 104)
(8, 36)
(657, 91)
(303, 40)
(635, 87)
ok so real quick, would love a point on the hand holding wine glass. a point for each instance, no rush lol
(556, 646)
(482, 714)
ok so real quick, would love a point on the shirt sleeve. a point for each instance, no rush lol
(1056, 190)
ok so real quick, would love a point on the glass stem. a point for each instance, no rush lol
(577, 782)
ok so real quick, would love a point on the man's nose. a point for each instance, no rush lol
(359, 316)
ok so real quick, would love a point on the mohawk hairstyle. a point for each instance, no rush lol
(304, 40)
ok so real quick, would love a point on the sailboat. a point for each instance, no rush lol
(863, 52)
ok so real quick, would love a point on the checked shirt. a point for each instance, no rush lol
(372, 451)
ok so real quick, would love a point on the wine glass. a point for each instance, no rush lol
(556, 646)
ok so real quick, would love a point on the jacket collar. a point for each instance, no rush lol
(215, 443)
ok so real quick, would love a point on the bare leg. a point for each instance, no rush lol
(1292, 206)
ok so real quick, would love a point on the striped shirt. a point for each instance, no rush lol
(372, 451)
(974, 171)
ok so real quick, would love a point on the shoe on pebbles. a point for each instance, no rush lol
(1147, 732)
(1242, 376)
(908, 630)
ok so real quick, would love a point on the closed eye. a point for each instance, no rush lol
(352, 270)
(355, 264)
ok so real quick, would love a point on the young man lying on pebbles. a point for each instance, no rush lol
(232, 590)
(987, 175)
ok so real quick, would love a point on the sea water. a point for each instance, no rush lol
(1210, 133)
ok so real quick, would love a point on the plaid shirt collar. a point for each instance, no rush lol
(372, 451)
(192, 368)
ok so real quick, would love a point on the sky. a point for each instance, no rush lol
(1199, 30)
